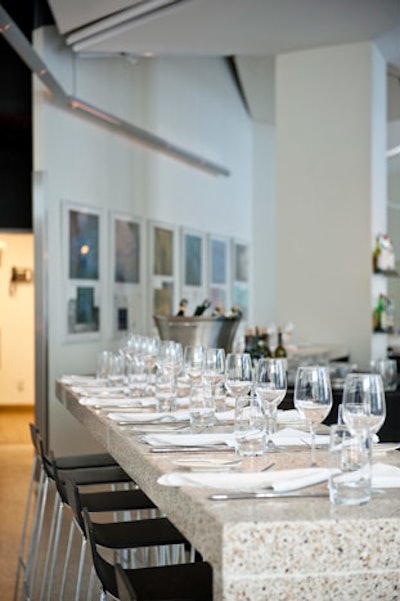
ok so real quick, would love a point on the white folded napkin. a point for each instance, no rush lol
(153, 416)
(80, 380)
(385, 475)
(112, 402)
(183, 440)
(293, 437)
(101, 391)
(279, 481)
(288, 416)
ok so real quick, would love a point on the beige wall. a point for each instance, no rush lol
(16, 323)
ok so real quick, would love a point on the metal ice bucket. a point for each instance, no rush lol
(218, 332)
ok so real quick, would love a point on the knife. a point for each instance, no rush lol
(263, 494)
(188, 449)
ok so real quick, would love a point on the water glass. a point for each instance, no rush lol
(387, 368)
(364, 403)
(201, 407)
(116, 369)
(165, 391)
(350, 458)
(250, 426)
(136, 376)
(103, 358)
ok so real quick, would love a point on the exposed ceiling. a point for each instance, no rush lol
(229, 27)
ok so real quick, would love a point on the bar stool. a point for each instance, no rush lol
(38, 482)
(184, 581)
(72, 497)
(102, 469)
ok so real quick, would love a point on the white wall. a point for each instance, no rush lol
(331, 186)
(17, 378)
(192, 102)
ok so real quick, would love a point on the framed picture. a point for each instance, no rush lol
(240, 276)
(82, 244)
(194, 268)
(127, 272)
(219, 272)
(164, 267)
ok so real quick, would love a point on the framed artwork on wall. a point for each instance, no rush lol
(82, 244)
(219, 272)
(194, 268)
(127, 272)
(163, 263)
(240, 276)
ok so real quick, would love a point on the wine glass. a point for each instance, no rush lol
(193, 362)
(313, 398)
(270, 386)
(238, 374)
(170, 357)
(214, 368)
(363, 404)
(149, 353)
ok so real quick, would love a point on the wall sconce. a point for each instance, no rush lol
(20, 275)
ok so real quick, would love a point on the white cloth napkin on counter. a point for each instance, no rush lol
(279, 481)
(289, 416)
(385, 475)
(293, 437)
(117, 402)
(153, 416)
(183, 440)
(78, 380)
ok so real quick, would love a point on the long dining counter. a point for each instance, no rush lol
(267, 549)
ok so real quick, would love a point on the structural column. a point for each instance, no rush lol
(331, 193)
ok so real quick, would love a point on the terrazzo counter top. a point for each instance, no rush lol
(279, 549)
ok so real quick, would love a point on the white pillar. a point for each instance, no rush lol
(331, 193)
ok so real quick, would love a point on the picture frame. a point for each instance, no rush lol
(163, 268)
(82, 241)
(127, 240)
(219, 272)
(194, 268)
(241, 275)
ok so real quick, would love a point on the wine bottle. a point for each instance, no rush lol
(200, 309)
(263, 344)
(280, 351)
(182, 308)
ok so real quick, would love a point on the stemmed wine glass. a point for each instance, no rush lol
(363, 404)
(313, 398)
(238, 374)
(193, 363)
(214, 368)
(270, 386)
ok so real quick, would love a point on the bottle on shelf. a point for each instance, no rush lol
(379, 316)
(200, 309)
(182, 308)
(375, 255)
(263, 344)
(280, 351)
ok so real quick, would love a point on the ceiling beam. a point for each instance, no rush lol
(25, 50)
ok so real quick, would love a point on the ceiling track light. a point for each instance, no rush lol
(124, 20)
(25, 50)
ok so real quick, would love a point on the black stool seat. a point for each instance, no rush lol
(182, 582)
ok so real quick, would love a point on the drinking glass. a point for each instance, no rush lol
(249, 428)
(165, 391)
(313, 398)
(387, 368)
(149, 353)
(238, 373)
(193, 363)
(270, 386)
(201, 406)
(214, 368)
(116, 370)
(170, 357)
(363, 404)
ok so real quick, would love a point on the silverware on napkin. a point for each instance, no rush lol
(264, 494)
(190, 449)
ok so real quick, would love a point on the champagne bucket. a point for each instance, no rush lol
(218, 332)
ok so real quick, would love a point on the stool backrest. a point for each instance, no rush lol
(125, 589)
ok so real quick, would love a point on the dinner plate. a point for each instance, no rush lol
(385, 447)
(207, 465)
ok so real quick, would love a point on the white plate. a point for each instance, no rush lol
(207, 465)
(385, 447)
